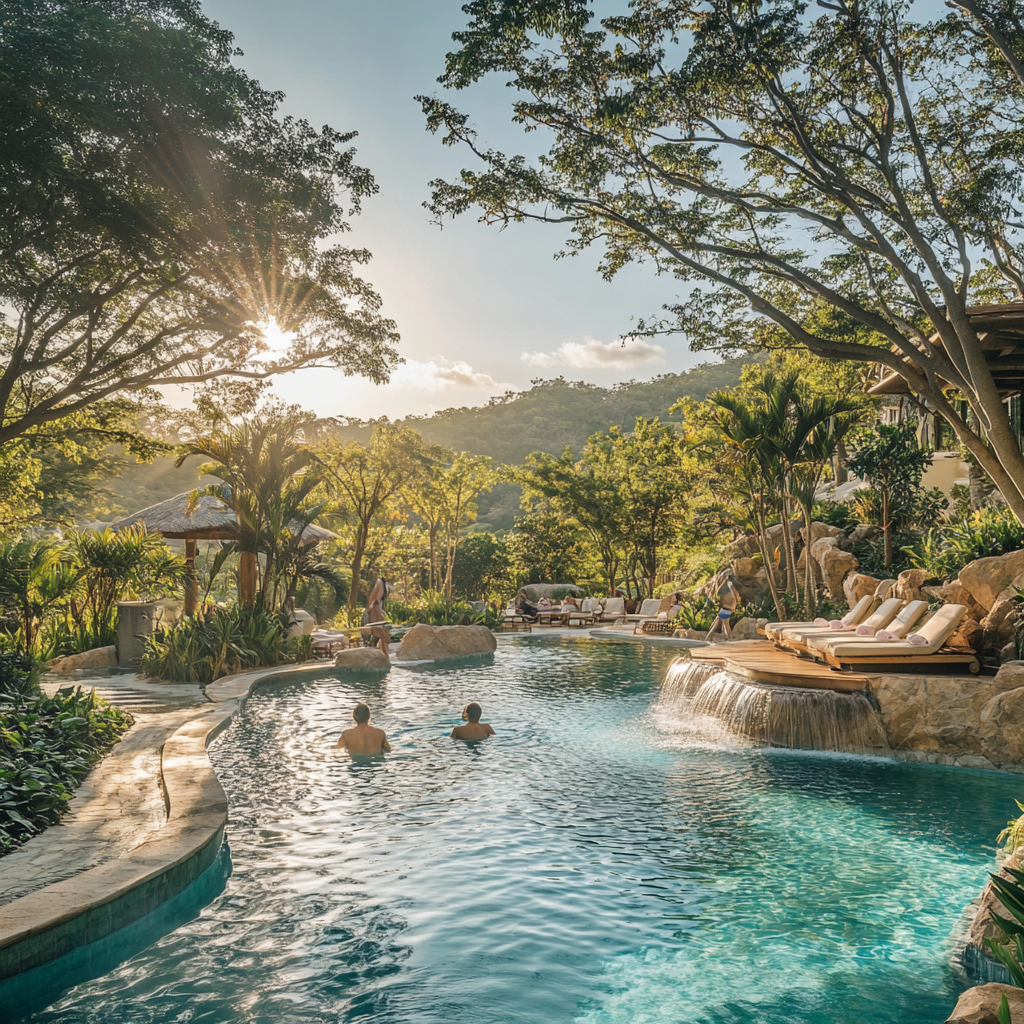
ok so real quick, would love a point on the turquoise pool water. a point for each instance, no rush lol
(586, 864)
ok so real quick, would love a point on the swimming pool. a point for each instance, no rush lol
(587, 864)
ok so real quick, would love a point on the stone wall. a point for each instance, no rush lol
(969, 721)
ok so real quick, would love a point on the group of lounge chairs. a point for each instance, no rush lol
(878, 630)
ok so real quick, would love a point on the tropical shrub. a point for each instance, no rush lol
(202, 648)
(1008, 948)
(945, 550)
(698, 613)
(47, 745)
(1012, 836)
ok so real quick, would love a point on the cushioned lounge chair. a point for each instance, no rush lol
(899, 653)
(614, 609)
(879, 619)
(649, 609)
(908, 617)
(860, 611)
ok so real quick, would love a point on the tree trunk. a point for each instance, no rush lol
(887, 526)
(357, 569)
(247, 573)
(766, 560)
(787, 539)
(809, 587)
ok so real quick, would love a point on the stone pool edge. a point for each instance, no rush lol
(48, 923)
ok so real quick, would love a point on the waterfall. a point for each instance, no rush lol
(712, 704)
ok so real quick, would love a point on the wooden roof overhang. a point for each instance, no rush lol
(1001, 332)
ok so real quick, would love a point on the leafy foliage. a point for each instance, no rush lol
(984, 533)
(1009, 949)
(47, 745)
(202, 648)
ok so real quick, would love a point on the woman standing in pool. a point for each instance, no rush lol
(375, 614)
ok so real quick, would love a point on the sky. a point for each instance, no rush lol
(480, 311)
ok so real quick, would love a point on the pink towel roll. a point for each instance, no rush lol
(837, 624)
(917, 640)
(865, 631)
(819, 621)
(884, 634)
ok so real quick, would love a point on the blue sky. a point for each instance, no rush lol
(479, 310)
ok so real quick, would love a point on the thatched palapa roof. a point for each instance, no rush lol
(211, 519)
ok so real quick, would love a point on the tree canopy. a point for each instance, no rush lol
(157, 215)
(839, 173)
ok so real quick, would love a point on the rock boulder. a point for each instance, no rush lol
(834, 563)
(819, 530)
(362, 659)
(862, 532)
(442, 643)
(746, 629)
(987, 578)
(99, 658)
(742, 547)
(1001, 726)
(908, 585)
(858, 585)
(980, 1005)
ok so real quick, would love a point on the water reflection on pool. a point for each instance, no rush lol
(586, 864)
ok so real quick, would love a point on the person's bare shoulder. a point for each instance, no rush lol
(487, 726)
(342, 740)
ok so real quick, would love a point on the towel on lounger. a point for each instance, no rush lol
(837, 624)
(917, 640)
(884, 634)
(819, 621)
(865, 631)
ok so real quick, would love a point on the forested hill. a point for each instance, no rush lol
(556, 413)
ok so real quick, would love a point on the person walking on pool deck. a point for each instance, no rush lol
(474, 729)
(375, 613)
(728, 599)
(363, 738)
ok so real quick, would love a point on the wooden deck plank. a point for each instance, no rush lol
(762, 662)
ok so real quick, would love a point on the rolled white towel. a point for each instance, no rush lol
(884, 634)
(819, 621)
(865, 631)
(917, 640)
(837, 624)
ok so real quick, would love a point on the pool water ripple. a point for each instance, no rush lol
(587, 864)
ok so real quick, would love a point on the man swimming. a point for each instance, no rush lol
(363, 738)
(375, 613)
(474, 729)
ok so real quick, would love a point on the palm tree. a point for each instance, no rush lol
(269, 479)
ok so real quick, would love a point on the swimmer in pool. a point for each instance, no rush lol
(363, 738)
(474, 729)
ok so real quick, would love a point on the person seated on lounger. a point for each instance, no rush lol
(375, 613)
(677, 605)
(569, 604)
(728, 599)
(474, 729)
(524, 606)
(545, 604)
(363, 738)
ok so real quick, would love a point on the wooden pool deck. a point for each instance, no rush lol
(762, 662)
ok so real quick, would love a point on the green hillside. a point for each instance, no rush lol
(551, 415)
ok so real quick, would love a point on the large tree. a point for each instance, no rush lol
(837, 171)
(157, 216)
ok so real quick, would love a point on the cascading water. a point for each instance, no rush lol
(714, 704)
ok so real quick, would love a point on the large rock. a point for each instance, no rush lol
(742, 547)
(362, 659)
(1001, 622)
(862, 532)
(955, 592)
(980, 1005)
(442, 643)
(834, 563)
(747, 629)
(99, 658)
(987, 578)
(1001, 726)
(857, 585)
(819, 530)
(908, 585)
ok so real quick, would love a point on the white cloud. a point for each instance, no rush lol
(592, 354)
(431, 376)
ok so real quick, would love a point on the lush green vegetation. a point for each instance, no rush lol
(47, 746)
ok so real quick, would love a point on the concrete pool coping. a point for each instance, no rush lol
(47, 923)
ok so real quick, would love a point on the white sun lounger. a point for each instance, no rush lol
(900, 626)
(853, 617)
(897, 653)
(879, 618)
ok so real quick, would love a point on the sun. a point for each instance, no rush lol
(277, 341)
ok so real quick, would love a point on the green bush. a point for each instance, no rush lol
(47, 745)
(945, 550)
(200, 649)
(698, 613)
(1008, 949)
